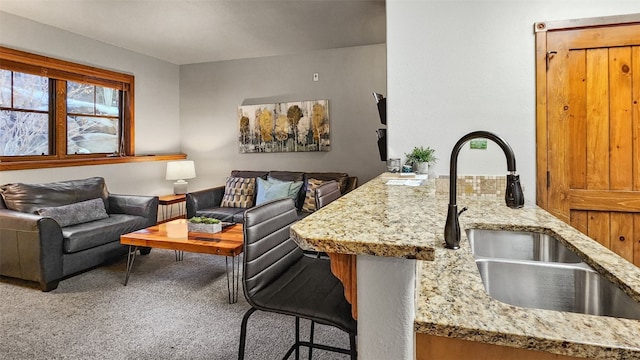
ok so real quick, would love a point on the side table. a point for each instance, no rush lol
(167, 203)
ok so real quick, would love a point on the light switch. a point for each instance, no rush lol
(316, 77)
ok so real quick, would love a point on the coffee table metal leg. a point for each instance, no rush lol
(131, 257)
(234, 282)
(179, 255)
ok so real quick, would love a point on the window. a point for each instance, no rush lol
(24, 114)
(54, 111)
(93, 119)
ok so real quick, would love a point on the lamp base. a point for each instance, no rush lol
(180, 187)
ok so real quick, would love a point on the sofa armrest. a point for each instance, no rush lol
(145, 206)
(30, 248)
(204, 199)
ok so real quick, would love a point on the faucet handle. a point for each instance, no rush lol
(514, 196)
(463, 210)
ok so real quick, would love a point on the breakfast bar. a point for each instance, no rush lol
(416, 298)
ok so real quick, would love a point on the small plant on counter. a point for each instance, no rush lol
(421, 154)
(421, 158)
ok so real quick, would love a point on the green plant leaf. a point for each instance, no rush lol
(421, 154)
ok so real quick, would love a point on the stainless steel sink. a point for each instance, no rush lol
(555, 286)
(519, 245)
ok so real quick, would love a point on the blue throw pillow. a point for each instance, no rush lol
(294, 189)
(268, 191)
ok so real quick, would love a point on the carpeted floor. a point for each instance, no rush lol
(169, 310)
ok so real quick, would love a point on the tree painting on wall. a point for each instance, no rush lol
(284, 127)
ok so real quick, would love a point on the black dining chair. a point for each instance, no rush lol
(327, 193)
(278, 278)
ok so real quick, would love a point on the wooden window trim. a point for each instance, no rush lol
(46, 164)
(21, 61)
(60, 69)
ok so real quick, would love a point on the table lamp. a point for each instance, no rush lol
(179, 171)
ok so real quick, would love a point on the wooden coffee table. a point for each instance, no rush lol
(173, 235)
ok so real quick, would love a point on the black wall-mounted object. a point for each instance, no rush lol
(382, 143)
(381, 101)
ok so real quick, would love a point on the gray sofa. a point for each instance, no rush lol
(51, 231)
(208, 202)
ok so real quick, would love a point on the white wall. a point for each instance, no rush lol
(210, 94)
(157, 118)
(458, 66)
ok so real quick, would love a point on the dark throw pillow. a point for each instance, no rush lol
(76, 213)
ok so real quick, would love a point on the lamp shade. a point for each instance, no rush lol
(180, 170)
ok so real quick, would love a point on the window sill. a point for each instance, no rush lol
(46, 164)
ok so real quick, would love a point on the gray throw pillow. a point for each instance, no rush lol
(76, 213)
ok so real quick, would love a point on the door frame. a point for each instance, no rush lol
(541, 29)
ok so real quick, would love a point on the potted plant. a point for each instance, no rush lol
(421, 158)
(204, 224)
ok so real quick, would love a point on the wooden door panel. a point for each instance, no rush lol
(635, 111)
(599, 227)
(600, 37)
(636, 239)
(621, 237)
(580, 220)
(556, 149)
(615, 230)
(597, 97)
(620, 119)
(604, 200)
(558, 99)
(577, 119)
(592, 121)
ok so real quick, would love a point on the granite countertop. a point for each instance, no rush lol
(408, 221)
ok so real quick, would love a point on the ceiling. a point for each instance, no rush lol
(195, 31)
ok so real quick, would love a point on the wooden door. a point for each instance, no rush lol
(588, 125)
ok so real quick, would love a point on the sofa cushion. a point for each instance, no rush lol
(238, 192)
(287, 175)
(310, 197)
(76, 213)
(29, 198)
(249, 174)
(95, 233)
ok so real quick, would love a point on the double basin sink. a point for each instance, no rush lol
(535, 270)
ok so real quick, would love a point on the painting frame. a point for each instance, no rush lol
(294, 126)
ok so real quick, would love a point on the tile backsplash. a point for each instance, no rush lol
(481, 186)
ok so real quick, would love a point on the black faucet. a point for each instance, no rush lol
(513, 195)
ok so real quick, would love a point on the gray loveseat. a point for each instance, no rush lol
(208, 202)
(51, 231)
